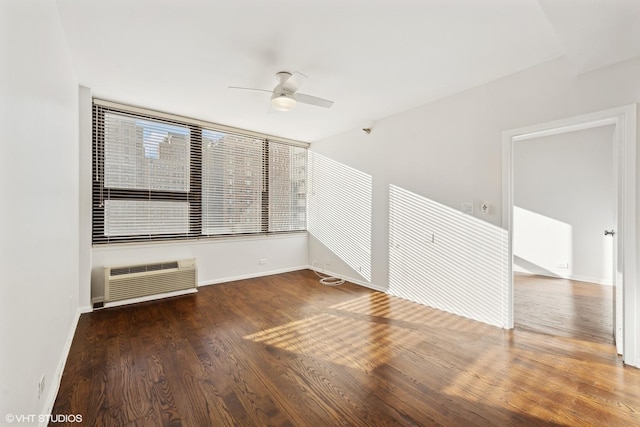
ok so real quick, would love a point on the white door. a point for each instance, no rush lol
(616, 235)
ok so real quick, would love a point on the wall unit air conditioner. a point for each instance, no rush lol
(146, 280)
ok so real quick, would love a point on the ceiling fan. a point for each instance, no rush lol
(284, 96)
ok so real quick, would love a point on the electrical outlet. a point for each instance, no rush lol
(262, 261)
(563, 265)
(41, 385)
(327, 262)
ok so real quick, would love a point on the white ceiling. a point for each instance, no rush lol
(374, 58)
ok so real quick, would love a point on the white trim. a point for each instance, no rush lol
(251, 275)
(150, 298)
(57, 379)
(200, 241)
(202, 123)
(565, 129)
(86, 309)
(624, 119)
(574, 277)
(507, 219)
(96, 300)
(588, 279)
(348, 279)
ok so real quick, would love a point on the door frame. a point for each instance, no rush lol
(624, 118)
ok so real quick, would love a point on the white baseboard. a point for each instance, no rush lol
(150, 298)
(55, 385)
(348, 279)
(251, 275)
(576, 277)
(596, 280)
(100, 299)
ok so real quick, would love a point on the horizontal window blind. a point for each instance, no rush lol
(145, 218)
(232, 171)
(162, 179)
(287, 187)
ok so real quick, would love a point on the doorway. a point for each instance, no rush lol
(624, 121)
(564, 198)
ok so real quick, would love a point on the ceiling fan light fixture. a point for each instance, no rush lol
(283, 102)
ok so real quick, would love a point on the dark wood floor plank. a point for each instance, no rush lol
(284, 350)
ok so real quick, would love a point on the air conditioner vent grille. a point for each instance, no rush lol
(143, 280)
(143, 268)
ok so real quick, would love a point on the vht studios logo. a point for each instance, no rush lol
(42, 418)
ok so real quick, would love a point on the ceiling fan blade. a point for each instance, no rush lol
(293, 83)
(313, 100)
(250, 88)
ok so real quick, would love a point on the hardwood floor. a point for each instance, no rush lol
(564, 308)
(287, 351)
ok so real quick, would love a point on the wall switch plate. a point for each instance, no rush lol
(467, 207)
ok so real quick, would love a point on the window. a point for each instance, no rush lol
(287, 187)
(156, 178)
(232, 170)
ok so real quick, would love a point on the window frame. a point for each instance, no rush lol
(194, 195)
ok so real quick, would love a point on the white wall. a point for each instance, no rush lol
(39, 285)
(217, 261)
(450, 152)
(564, 197)
(340, 221)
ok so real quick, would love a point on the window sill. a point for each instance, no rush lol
(201, 241)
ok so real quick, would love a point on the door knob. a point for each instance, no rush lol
(609, 232)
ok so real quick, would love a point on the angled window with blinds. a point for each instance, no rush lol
(162, 178)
